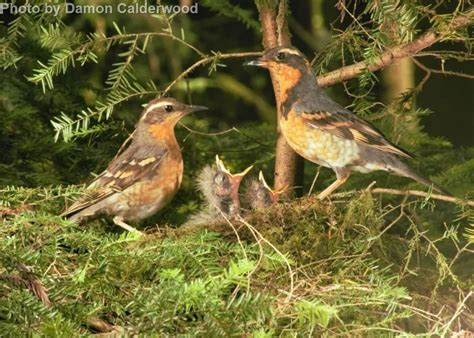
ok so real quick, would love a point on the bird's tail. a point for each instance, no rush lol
(400, 168)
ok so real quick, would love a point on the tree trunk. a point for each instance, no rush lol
(275, 33)
(398, 78)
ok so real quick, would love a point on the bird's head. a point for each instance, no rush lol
(226, 184)
(221, 188)
(260, 195)
(166, 111)
(281, 59)
(288, 67)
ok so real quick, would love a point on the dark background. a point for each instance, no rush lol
(28, 155)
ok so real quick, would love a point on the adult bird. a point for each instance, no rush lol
(143, 178)
(324, 132)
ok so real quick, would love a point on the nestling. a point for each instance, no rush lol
(324, 132)
(146, 176)
(220, 189)
(259, 195)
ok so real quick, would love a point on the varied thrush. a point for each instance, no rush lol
(146, 176)
(324, 132)
(220, 189)
(259, 195)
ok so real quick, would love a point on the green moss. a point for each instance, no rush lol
(349, 273)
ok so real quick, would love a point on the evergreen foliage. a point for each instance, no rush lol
(341, 269)
(360, 264)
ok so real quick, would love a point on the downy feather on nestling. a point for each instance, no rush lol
(220, 189)
(259, 195)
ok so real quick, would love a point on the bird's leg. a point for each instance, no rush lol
(342, 176)
(118, 220)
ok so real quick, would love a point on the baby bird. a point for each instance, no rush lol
(259, 195)
(221, 193)
(146, 176)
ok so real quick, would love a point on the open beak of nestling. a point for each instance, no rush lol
(238, 177)
(260, 62)
(262, 180)
(235, 179)
(275, 194)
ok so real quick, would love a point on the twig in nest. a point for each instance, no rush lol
(439, 197)
(388, 191)
(104, 328)
(262, 238)
(33, 283)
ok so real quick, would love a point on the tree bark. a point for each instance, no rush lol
(275, 33)
(398, 78)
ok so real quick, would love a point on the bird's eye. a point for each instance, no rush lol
(169, 108)
(219, 178)
(280, 56)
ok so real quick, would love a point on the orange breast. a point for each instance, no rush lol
(286, 77)
(315, 144)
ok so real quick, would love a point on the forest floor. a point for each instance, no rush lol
(360, 264)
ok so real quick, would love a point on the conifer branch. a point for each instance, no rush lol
(398, 52)
(214, 59)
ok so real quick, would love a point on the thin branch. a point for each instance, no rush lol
(394, 54)
(441, 71)
(460, 309)
(206, 60)
(290, 293)
(192, 131)
(427, 76)
(419, 193)
(86, 45)
(233, 129)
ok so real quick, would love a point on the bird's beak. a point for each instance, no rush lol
(220, 165)
(262, 180)
(275, 194)
(243, 173)
(193, 108)
(235, 179)
(256, 63)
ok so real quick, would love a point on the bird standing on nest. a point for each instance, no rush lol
(146, 176)
(259, 195)
(324, 132)
(220, 189)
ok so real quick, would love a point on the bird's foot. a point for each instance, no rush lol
(336, 184)
(118, 220)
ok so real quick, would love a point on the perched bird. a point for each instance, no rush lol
(220, 189)
(324, 132)
(146, 176)
(259, 195)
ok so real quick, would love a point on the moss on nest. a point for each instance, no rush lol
(352, 266)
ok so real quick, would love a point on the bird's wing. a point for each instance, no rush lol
(124, 171)
(347, 125)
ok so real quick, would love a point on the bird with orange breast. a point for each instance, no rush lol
(145, 177)
(324, 132)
